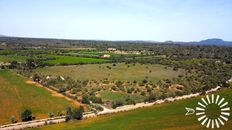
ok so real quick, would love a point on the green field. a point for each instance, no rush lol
(124, 72)
(167, 116)
(9, 58)
(97, 54)
(72, 60)
(16, 95)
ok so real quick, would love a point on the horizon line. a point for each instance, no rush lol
(56, 38)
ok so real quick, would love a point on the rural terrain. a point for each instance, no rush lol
(46, 78)
(154, 117)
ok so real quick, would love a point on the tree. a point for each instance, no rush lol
(151, 98)
(96, 100)
(130, 101)
(30, 63)
(61, 90)
(13, 65)
(114, 88)
(60, 113)
(69, 114)
(143, 93)
(78, 113)
(36, 77)
(117, 104)
(145, 81)
(129, 90)
(51, 114)
(26, 115)
(85, 99)
(175, 68)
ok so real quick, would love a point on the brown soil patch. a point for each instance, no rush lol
(98, 94)
(34, 83)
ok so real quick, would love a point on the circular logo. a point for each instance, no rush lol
(213, 111)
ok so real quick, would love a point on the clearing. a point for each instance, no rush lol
(119, 71)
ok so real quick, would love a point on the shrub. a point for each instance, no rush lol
(69, 114)
(61, 90)
(175, 68)
(130, 101)
(151, 98)
(51, 114)
(36, 77)
(97, 100)
(13, 119)
(145, 81)
(143, 93)
(129, 91)
(26, 115)
(78, 113)
(74, 91)
(149, 90)
(85, 99)
(114, 88)
(117, 104)
(13, 65)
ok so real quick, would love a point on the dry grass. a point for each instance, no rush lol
(121, 71)
(17, 95)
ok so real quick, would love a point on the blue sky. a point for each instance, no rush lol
(158, 20)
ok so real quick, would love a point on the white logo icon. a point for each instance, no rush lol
(205, 117)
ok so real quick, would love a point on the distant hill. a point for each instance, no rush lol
(71, 42)
(212, 41)
(215, 41)
(2, 35)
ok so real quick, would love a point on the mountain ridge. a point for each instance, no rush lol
(210, 41)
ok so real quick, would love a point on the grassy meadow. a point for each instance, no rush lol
(167, 116)
(121, 71)
(17, 95)
(72, 60)
(9, 58)
(97, 54)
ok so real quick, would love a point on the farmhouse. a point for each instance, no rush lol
(105, 56)
(111, 49)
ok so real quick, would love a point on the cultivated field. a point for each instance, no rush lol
(167, 116)
(97, 54)
(9, 58)
(72, 60)
(121, 71)
(17, 95)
